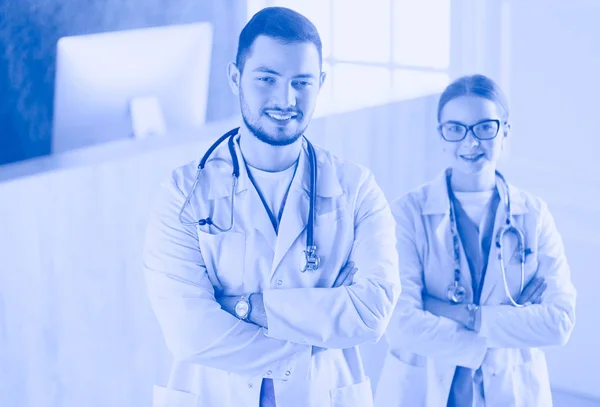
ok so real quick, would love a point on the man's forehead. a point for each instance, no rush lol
(268, 53)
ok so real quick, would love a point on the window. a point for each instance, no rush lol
(377, 50)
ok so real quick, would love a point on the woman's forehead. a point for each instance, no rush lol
(470, 109)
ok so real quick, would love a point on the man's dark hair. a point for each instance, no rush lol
(280, 23)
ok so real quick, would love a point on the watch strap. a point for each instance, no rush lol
(472, 315)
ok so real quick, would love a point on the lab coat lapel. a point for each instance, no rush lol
(295, 212)
(443, 235)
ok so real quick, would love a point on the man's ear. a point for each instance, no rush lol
(322, 79)
(234, 76)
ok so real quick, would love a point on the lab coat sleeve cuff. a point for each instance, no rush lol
(477, 327)
(296, 367)
(488, 329)
(486, 314)
(478, 355)
(277, 327)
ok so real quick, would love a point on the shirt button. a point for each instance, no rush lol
(288, 373)
(269, 372)
(279, 282)
(249, 385)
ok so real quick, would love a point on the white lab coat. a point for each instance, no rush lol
(425, 349)
(220, 360)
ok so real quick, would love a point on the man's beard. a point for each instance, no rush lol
(261, 134)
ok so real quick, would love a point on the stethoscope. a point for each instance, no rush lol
(456, 292)
(311, 258)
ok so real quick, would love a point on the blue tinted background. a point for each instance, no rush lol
(75, 325)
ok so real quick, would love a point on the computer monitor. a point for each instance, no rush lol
(149, 80)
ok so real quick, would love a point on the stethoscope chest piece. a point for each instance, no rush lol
(456, 293)
(310, 260)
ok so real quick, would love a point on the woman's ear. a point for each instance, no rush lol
(507, 129)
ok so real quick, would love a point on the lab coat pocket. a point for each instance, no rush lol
(356, 395)
(329, 218)
(403, 380)
(531, 380)
(499, 360)
(224, 255)
(164, 397)
(409, 358)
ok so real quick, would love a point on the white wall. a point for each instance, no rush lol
(546, 55)
(554, 90)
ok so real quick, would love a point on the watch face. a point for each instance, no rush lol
(241, 309)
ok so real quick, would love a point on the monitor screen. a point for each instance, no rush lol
(161, 75)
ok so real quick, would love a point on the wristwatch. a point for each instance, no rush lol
(242, 307)
(472, 313)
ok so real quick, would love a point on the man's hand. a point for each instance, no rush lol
(346, 275)
(532, 294)
(257, 315)
(441, 308)
(228, 302)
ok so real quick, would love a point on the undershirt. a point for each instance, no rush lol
(476, 205)
(273, 186)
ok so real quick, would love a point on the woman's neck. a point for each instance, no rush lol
(484, 180)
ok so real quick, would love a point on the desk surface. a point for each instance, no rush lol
(114, 150)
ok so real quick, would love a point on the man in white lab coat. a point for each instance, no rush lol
(246, 326)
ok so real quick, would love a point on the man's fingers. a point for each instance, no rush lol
(350, 277)
(540, 288)
(342, 275)
(536, 297)
(348, 267)
(344, 272)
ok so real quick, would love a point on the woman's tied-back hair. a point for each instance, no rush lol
(474, 85)
(280, 23)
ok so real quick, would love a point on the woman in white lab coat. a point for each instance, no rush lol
(483, 350)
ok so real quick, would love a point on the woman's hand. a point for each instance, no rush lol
(441, 308)
(532, 293)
